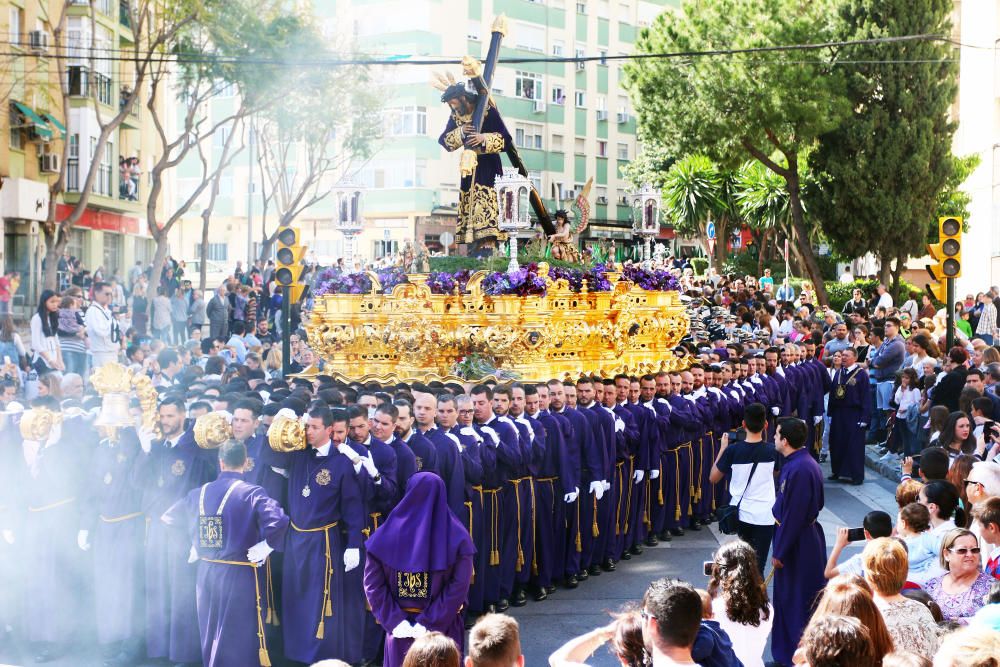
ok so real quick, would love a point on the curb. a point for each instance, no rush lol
(890, 472)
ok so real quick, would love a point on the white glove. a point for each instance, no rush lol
(568, 498)
(352, 558)
(418, 630)
(649, 406)
(145, 436)
(8, 536)
(259, 552)
(403, 631)
(286, 413)
(192, 555)
(597, 489)
(82, 541)
(607, 486)
(775, 410)
(369, 465)
(494, 436)
(639, 475)
(654, 474)
(470, 432)
(817, 419)
(862, 425)
(619, 425)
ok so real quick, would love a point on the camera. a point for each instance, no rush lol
(855, 534)
(708, 566)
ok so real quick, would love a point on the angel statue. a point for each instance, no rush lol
(562, 245)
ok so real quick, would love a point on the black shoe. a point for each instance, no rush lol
(636, 550)
(594, 570)
(540, 595)
(677, 532)
(519, 596)
(695, 526)
(571, 581)
(626, 555)
(857, 482)
(834, 477)
(550, 590)
(665, 535)
(582, 575)
(651, 541)
(608, 565)
(502, 606)
(823, 458)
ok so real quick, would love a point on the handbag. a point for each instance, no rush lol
(729, 516)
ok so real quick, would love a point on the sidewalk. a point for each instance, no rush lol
(873, 461)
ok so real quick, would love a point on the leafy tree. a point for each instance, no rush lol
(762, 199)
(881, 172)
(737, 106)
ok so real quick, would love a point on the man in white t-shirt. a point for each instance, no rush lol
(751, 488)
(103, 331)
(884, 298)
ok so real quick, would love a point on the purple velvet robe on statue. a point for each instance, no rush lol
(419, 567)
(227, 595)
(800, 546)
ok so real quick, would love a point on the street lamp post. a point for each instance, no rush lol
(349, 216)
(645, 204)
(513, 197)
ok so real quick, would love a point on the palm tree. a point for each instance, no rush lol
(762, 199)
(695, 191)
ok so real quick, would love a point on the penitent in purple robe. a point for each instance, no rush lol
(419, 567)
(801, 548)
(231, 604)
(165, 475)
(51, 491)
(113, 514)
(850, 412)
(327, 513)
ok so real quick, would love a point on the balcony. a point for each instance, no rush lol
(132, 118)
(129, 179)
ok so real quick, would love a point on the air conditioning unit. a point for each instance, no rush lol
(602, 200)
(49, 163)
(623, 201)
(538, 106)
(623, 117)
(581, 66)
(78, 81)
(39, 41)
(602, 114)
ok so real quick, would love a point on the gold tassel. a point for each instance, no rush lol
(265, 659)
(594, 528)
(270, 617)
(579, 541)
(494, 557)
(319, 631)
(329, 608)
(520, 560)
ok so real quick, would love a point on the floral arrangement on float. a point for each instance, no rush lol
(535, 322)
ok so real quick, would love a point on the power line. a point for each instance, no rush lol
(406, 59)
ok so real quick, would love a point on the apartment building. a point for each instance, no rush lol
(570, 121)
(112, 232)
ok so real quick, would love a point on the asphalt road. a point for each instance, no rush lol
(546, 625)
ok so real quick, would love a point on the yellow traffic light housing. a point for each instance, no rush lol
(289, 267)
(947, 253)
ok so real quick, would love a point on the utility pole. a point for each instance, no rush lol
(250, 164)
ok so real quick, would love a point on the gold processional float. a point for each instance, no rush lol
(413, 335)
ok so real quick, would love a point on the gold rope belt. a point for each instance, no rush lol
(534, 529)
(494, 527)
(618, 508)
(117, 519)
(628, 503)
(701, 462)
(52, 506)
(327, 607)
(517, 499)
(265, 660)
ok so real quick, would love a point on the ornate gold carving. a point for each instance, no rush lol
(478, 211)
(500, 24)
(286, 434)
(467, 163)
(37, 423)
(471, 67)
(413, 585)
(211, 430)
(323, 477)
(178, 468)
(412, 334)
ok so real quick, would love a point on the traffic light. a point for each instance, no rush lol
(948, 254)
(289, 267)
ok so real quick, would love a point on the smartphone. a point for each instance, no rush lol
(855, 534)
(707, 567)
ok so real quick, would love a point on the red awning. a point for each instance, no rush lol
(104, 221)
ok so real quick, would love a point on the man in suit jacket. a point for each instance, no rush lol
(218, 314)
